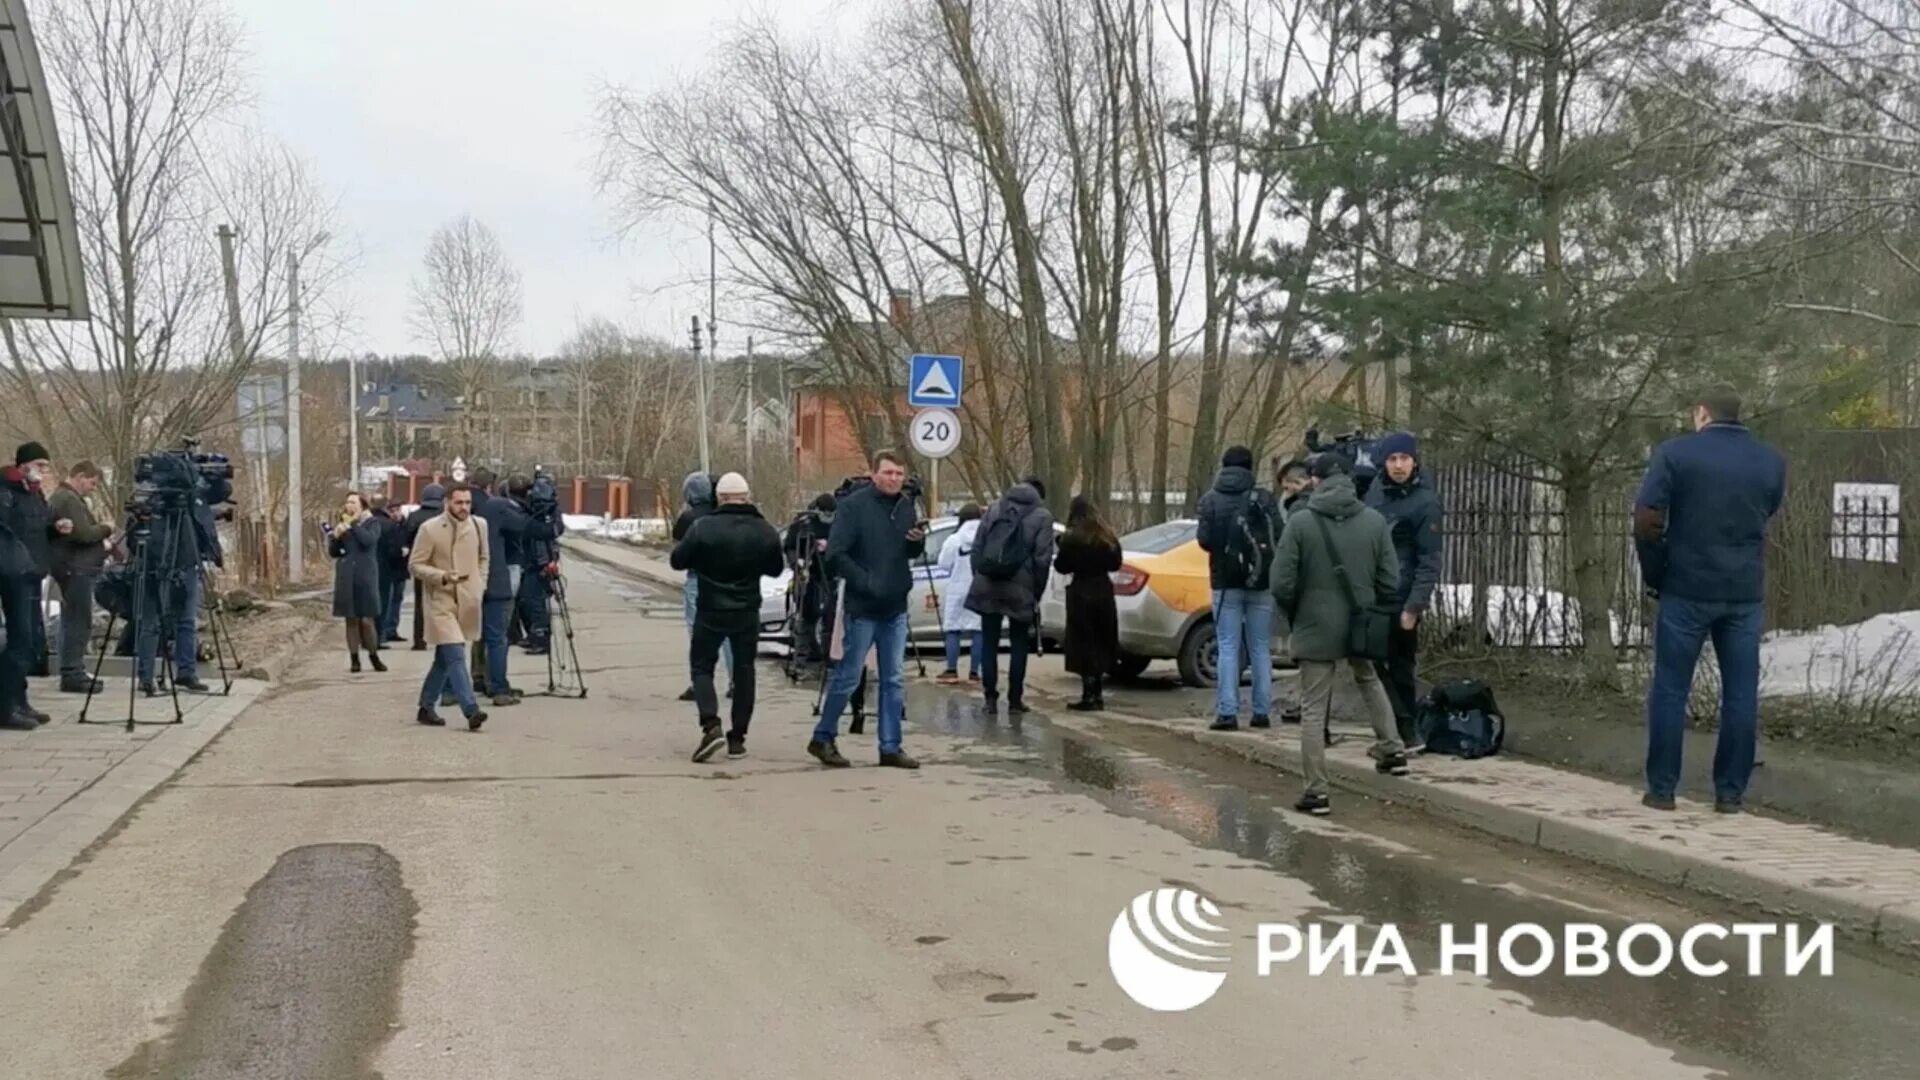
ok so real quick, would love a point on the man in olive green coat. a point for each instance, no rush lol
(1318, 605)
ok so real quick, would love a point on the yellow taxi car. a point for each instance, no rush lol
(1165, 602)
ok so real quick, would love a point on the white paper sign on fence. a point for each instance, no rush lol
(1866, 522)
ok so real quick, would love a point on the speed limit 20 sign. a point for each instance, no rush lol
(936, 433)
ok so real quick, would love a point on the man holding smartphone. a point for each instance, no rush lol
(877, 532)
(450, 560)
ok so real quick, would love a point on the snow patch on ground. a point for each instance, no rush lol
(630, 530)
(1876, 658)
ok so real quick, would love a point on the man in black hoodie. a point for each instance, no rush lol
(877, 531)
(1239, 529)
(23, 507)
(432, 504)
(729, 550)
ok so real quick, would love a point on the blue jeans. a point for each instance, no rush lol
(1243, 616)
(395, 585)
(177, 616)
(889, 638)
(690, 601)
(976, 644)
(1680, 629)
(494, 616)
(449, 666)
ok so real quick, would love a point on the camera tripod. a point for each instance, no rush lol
(150, 577)
(564, 676)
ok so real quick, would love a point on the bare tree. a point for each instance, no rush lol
(143, 89)
(467, 304)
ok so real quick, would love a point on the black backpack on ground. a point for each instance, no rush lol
(1002, 550)
(1250, 541)
(1460, 718)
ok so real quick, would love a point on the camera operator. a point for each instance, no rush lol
(509, 530)
(806, 549)
(179, 512)
(539, 559)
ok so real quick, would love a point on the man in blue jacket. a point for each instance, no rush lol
(1412, 510)
(509, 530)
(1239, 526)
(877, 532)
(1700, 527)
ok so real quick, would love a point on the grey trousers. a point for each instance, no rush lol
(1316, 707)
(76, 623)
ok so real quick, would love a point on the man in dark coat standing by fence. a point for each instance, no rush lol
(1700, 527)
(1412, 509)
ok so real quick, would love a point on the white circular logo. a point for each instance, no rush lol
(935, 432)
(1150, 967)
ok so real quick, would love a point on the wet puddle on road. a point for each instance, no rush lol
(1860, 1023)
(304, 980)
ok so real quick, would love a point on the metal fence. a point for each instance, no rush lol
(1838, 551)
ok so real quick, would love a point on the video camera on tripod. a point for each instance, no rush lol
(1356, 447)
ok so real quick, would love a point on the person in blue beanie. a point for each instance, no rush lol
(1412, 509)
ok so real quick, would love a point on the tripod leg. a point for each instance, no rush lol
(99, 664)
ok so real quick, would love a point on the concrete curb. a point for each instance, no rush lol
(64, 835)
(1893, 927)
(54, 842)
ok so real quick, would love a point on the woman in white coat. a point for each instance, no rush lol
(956, 557)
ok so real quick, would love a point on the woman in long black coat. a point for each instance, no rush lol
(1090, 552)
(354, 545)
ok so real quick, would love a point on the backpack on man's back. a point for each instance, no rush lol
(1002, 551)
(1250, 542)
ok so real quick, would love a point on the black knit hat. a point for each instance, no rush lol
(1325, 465)
(30, 451)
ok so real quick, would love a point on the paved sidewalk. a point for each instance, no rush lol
(1870, 892)
(62, 787)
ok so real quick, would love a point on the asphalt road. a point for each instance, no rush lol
(331, 891)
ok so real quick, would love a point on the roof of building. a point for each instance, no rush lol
(406, 402)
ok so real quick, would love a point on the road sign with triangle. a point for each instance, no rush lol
(934, 382)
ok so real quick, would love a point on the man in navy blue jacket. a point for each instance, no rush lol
(509, 530)
(1700, 526)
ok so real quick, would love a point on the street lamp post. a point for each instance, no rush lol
(700, 393)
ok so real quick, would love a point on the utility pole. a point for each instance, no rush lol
(353, 422)
(295, 511)
(750, 408)
(700, 392)
(237, 344)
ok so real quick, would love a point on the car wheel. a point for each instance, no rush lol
(1129, 666)
(1199, 659)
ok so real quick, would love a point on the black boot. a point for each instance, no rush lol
(374, 659)
(1090, 697)
(355, 666)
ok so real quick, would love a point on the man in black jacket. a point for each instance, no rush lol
(390, 561)
(433, 500)
(509, 529)
(24, 527)
(1238, 529)
(729, 550)
(1008, 595)
(1412, 510)
(877, 532)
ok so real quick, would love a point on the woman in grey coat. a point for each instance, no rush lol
(353, 543)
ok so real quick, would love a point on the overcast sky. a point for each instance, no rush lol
(415, 111)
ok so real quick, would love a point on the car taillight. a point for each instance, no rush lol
(1129, 580)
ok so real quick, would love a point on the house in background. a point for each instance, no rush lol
(404, 420)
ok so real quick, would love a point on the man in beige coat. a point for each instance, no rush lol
(449, 560)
